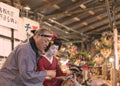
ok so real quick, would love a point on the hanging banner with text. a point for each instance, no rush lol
(30, 24)
(8, 16)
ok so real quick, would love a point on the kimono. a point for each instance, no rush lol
(45, 64)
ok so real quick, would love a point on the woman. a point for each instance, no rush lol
(49, 62)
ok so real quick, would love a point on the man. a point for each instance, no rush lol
(20, 66)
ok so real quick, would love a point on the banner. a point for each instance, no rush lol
(20, 33)
(30, 24)
(25, 26)
(8, 16)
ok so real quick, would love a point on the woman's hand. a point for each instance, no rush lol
(61, 77)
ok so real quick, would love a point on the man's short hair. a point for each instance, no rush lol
(42, 31)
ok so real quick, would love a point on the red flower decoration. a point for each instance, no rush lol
(68, 64)
(54, 36)
(86, 66)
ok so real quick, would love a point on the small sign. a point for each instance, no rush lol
(8, 16)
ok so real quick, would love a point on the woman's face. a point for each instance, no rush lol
(53, 49)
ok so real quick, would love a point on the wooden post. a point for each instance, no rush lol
(116, 59)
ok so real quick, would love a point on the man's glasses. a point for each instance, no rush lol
(44, 35)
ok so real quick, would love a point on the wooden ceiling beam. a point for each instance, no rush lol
(97, 30)
(74, 12)
(85, 28)
(86, 19)
(77, 5)
(68, 9)
(89, 31)
(47, 6)
(72, 37)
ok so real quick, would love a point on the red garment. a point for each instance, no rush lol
(44, 64)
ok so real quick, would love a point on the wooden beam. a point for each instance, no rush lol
(47, 6)
(97, 30)
(83, 29)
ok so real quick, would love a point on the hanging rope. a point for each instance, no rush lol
(109, 13)
(113, 12)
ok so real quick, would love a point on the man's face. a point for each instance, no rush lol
(43, 41)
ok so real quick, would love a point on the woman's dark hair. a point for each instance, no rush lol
(33, 31)
(57, 42)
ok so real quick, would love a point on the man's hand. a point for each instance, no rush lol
(51, 73)
(61, 77)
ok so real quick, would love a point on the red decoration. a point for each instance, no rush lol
(34, 27)
(54, 36)
(86, 66)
